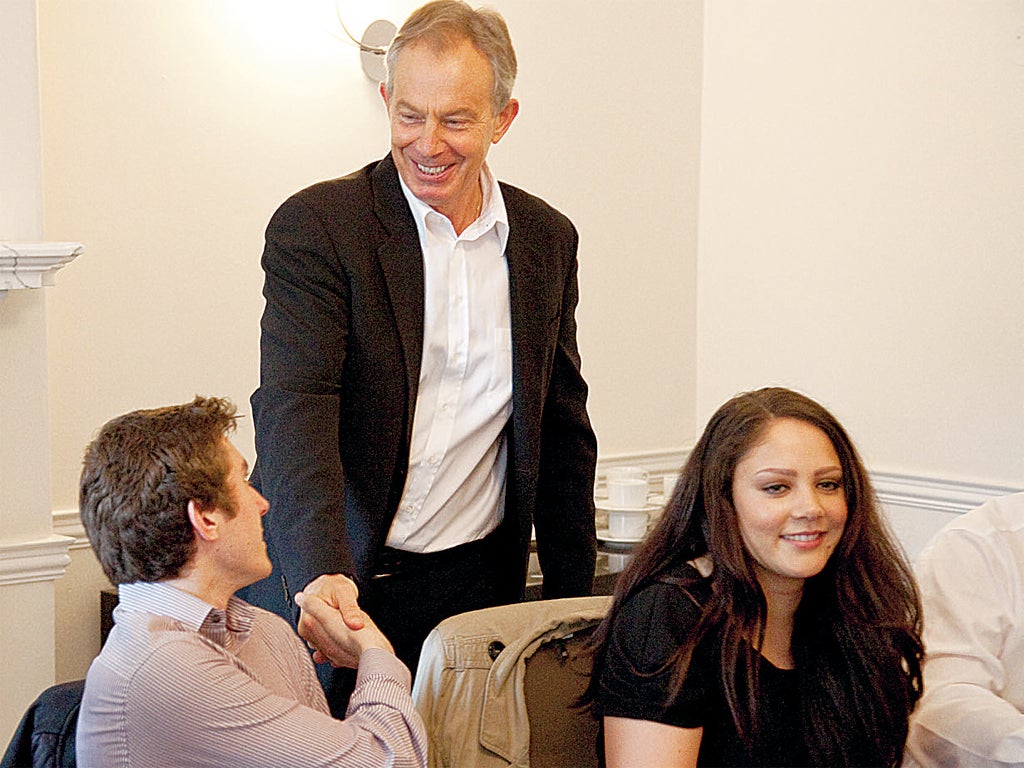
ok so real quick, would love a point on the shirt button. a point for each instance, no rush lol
(434, 459)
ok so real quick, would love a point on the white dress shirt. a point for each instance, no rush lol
(971, 577)
(455, 489)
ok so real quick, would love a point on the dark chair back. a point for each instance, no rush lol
(45, 738)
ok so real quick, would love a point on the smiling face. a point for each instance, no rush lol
(443, 123)
(790, 505)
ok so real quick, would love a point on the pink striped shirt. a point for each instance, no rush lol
(180, 683)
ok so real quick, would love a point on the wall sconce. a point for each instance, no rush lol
(373, 46)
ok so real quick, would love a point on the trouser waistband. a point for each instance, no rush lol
(393, 561)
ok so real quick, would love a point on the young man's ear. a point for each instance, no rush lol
(205, 520)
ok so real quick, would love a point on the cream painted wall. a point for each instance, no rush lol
(21, 189)
(27, 637)
(859, 209)
(860, 222)
(173, 129)
(77, 599)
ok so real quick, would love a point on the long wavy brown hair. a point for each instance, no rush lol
(857, 632)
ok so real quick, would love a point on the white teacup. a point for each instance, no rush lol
(627, 487)
(627, 524)
(634, 473)
(627, 494)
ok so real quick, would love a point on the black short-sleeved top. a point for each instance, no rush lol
(635, 683)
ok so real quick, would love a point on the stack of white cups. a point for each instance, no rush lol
(627, 502)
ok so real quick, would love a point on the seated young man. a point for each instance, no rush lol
(191, 675)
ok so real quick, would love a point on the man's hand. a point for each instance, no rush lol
(331, 637)
(339, 592)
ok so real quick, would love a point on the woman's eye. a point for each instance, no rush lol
(775, 488)
(830, 485)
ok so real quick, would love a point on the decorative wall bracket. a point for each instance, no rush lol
(44, 559)
(33, 265)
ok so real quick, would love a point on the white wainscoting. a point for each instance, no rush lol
(917, 507)
(67, 523)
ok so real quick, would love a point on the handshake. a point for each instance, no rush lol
(332, 623)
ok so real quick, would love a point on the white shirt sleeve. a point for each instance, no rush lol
(971, 588)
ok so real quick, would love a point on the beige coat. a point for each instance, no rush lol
(471, 687)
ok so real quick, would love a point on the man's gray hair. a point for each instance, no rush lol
(443, 23)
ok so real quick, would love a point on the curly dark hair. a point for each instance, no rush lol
(138, 476)
(857, 632)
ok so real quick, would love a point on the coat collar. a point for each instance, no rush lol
(402, 263)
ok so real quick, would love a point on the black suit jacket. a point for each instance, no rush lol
(342, 338)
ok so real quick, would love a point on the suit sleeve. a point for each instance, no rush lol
(564, 516)
(296, 408)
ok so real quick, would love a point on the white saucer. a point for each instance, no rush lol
(604, 536)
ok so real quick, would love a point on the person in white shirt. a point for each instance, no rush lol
(421, 404)
(191, 675)
(971, 577)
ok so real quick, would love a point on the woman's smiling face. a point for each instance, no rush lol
(790, 504)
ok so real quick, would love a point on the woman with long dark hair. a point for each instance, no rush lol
(769, 618)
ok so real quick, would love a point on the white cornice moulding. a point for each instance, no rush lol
(33, 265)
(46, 559)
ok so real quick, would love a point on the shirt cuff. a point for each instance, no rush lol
(377, 661)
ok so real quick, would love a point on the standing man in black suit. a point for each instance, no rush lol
(421, 403)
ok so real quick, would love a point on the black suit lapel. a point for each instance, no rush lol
(402, 264)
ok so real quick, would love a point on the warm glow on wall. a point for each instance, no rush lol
(284, 31)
